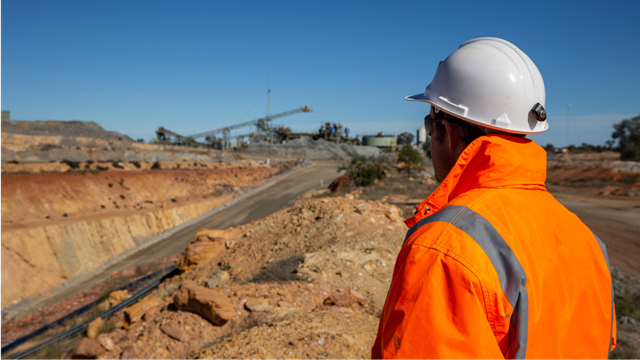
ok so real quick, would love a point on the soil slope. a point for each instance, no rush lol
(290, 263)
(59, 225)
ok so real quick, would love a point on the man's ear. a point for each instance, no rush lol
(453, 136)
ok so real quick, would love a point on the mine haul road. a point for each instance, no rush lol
(615, 219)
(257, 205)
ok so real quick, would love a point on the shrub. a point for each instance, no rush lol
(155, 165)
(72, 164)
(410, 159)
(623, 350)
(363, 171)
(628, 305)
(405, 138)
(627, 133)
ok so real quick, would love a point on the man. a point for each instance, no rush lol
(493, 266)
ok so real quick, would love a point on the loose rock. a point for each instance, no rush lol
(135, 312)
(86, 349)
(201, 251)
(117, 297)
(106, 342)
(130, 352)
(257, 305)
(217, 278)
(94, 328)
(208, 303)
(174, 332)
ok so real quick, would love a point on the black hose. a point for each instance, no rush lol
(173, 271)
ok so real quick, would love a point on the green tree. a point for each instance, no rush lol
(405, 138)
(363, 171)
(627, 133)
(550, 148)
(410, 159)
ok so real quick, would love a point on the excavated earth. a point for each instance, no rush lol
(56, 226)
(306, 282)
(310, 281)
(31, 142)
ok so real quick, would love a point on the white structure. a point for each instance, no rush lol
(421, 136)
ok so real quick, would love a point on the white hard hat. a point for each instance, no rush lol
(492, 83)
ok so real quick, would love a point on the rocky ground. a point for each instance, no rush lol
(308, 281)
(32, 142)
(307, 148)
(602, 173)
(15, 329)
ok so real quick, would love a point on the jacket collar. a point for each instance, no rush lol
(491, 161)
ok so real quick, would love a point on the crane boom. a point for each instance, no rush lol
(261, 122)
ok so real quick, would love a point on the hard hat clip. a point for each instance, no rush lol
(539, 112)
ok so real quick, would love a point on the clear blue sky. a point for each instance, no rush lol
(197, 65)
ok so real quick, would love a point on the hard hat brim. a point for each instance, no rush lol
(417, 97)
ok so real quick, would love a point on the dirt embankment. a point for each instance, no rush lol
(307, 148)
(57, 226)
(603, 173)
(26, 149)
(306, 282)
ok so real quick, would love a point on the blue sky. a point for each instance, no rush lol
(193, 66)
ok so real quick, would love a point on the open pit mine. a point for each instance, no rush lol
(76, 197)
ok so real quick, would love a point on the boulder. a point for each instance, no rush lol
(211, 304)
(117, 297)
(257, 305)
(212, 234)
(167, 290)
(105, 341)
(129, 352)
(339, 183)
(93, 330)
(217, 278)
(136, 311)
(200, 251)
(86, 349)
(173, 332)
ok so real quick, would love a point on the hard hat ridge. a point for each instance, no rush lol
(492, 83)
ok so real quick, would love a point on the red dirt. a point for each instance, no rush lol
(45, 198)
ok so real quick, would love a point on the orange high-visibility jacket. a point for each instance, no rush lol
(494, 267)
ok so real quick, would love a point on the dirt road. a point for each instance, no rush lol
(256, 206)
(615, 219)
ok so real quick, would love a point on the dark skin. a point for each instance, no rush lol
(446, 146)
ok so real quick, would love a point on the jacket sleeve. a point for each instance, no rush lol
(435, 308)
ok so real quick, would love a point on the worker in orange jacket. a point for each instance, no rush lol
(493, 266)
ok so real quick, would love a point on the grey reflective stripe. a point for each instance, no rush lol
(603, 247)
(512, 277)
(445, 214)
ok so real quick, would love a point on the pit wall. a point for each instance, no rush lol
(58, 226)
(43, 149)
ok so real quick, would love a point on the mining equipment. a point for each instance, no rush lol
(384, 142)
(334, 133)
(166, 136)
(265, 132)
